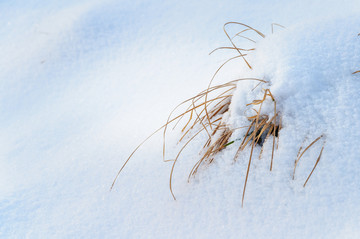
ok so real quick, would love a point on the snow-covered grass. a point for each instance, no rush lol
(83, 83)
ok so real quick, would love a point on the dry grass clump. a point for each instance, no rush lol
(205, 115)
(211, 121)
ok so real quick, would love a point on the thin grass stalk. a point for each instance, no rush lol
(252, 149)
(298, 159)
(317, 161)
(278, 130)
(275, 24)
(127, 160)
(247, 38)
(241, 32)
(177, 157)
(274, 131)
(231, 48)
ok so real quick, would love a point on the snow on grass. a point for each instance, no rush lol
(82, 84)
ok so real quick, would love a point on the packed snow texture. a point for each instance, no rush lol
(82, 83)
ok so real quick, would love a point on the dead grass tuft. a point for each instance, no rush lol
(210, 121)
(204, 115)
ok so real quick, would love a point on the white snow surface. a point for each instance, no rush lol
(83, 83)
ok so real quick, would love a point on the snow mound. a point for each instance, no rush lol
(310, 69)
(83, 82)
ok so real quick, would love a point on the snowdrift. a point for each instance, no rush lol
(83, 83)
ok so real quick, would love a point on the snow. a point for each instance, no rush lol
(83, 83)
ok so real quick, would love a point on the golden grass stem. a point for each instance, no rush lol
(251, 153)
(275, 24)
(299, 157)
(241, 32)
(231, 48)
(177, 157)
(274, 131)
(127, 160)
(247, 175)
(317, 161)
